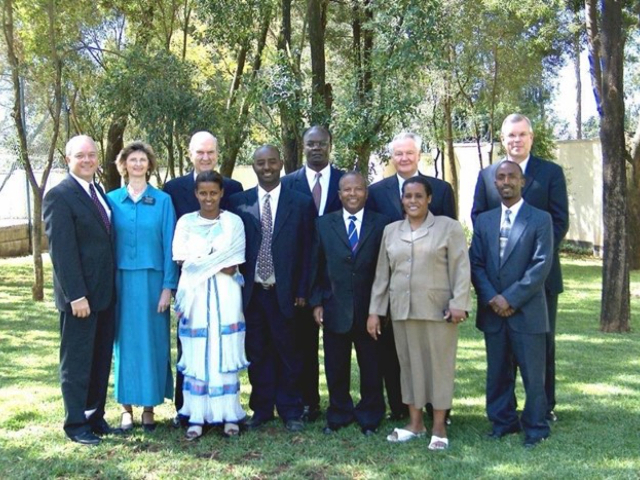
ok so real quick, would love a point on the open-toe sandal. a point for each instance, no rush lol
(126, 421)
(438, 443)
(193, 433)
(400, 435)
(231, 430)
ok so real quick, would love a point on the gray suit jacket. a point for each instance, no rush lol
(521, 273)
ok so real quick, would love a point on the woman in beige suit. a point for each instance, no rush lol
(423, 273)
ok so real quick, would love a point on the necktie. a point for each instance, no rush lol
(317, 192)
(101, 210)
(505, 229)
(265, 260)
(353, 234)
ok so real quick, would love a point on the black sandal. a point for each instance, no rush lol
(148, 426)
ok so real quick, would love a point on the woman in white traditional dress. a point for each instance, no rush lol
(210, 244)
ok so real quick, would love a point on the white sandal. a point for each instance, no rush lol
(438, 443)
(403, 435)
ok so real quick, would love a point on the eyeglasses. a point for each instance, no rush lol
(321, 144)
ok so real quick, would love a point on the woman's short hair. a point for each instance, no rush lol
(209, 176)
(137, 146)
(422, 181)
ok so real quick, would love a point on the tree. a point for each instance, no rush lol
(39, 62)
(606, 48)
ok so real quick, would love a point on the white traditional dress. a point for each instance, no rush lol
(212, 327)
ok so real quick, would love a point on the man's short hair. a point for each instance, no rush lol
(69, 146)
(417, 139)
(515, 118)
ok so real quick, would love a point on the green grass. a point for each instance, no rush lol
(597, 435)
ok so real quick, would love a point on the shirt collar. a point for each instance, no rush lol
(274, 194)
(311, 174)
(359, 214)
(515, 208)
(83, 183)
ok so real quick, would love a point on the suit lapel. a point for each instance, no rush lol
(332, 194)
(84, 198)
(493, 227)
(516, 232)
(337, 224)
(282, 212)
(252, 209)
(393, 195)
(530, 175)
(365, 229)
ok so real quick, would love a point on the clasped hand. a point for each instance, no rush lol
(500, 305)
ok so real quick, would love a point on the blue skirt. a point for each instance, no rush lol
(142, 360)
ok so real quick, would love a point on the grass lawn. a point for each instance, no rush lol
(598, 435)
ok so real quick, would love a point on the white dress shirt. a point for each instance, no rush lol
(402, 180)
(515, 208)
(324, 183)
(357, 221)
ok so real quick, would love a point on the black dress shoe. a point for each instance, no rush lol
(531, 442)
(85, 438)
(498, 434)
(551, 416)
(368, 431)
(294, 425)
(103, 428)
(328, 430)
(254, 423)
(310, 414)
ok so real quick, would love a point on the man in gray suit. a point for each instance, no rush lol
(511, 256)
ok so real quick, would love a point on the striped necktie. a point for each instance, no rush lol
(505, 230)
(265, 259)
(100, 207)
(316, 193)
(353, 234)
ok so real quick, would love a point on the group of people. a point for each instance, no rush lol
(257, 274)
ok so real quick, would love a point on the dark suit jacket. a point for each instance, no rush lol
(184, 200)
(519, 276)
(82, 251)
(384, 197)
(298, 181)
(290, 244)
(546, 189)
(342, 282)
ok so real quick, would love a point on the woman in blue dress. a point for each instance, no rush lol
(144, 221)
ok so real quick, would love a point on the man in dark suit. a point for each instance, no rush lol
(278, 225)
(511, 256)
(546, 189)
(385, 197)
(345, 257)
(203, 151)
(77, 220)
(318, 179)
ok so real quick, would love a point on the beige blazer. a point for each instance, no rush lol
(423, 276)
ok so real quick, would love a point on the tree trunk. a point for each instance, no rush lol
(633, 192)
(576, 66)
(290, 118)
(115, 144)
(448, 115)
(320, 91)
(37, 289)
(608, 84)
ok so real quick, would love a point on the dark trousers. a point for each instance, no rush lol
(550, 373)
(86, 348)
(337, 361)
(391, 370)
(505, 349)
(307, 336)
(274, 370)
